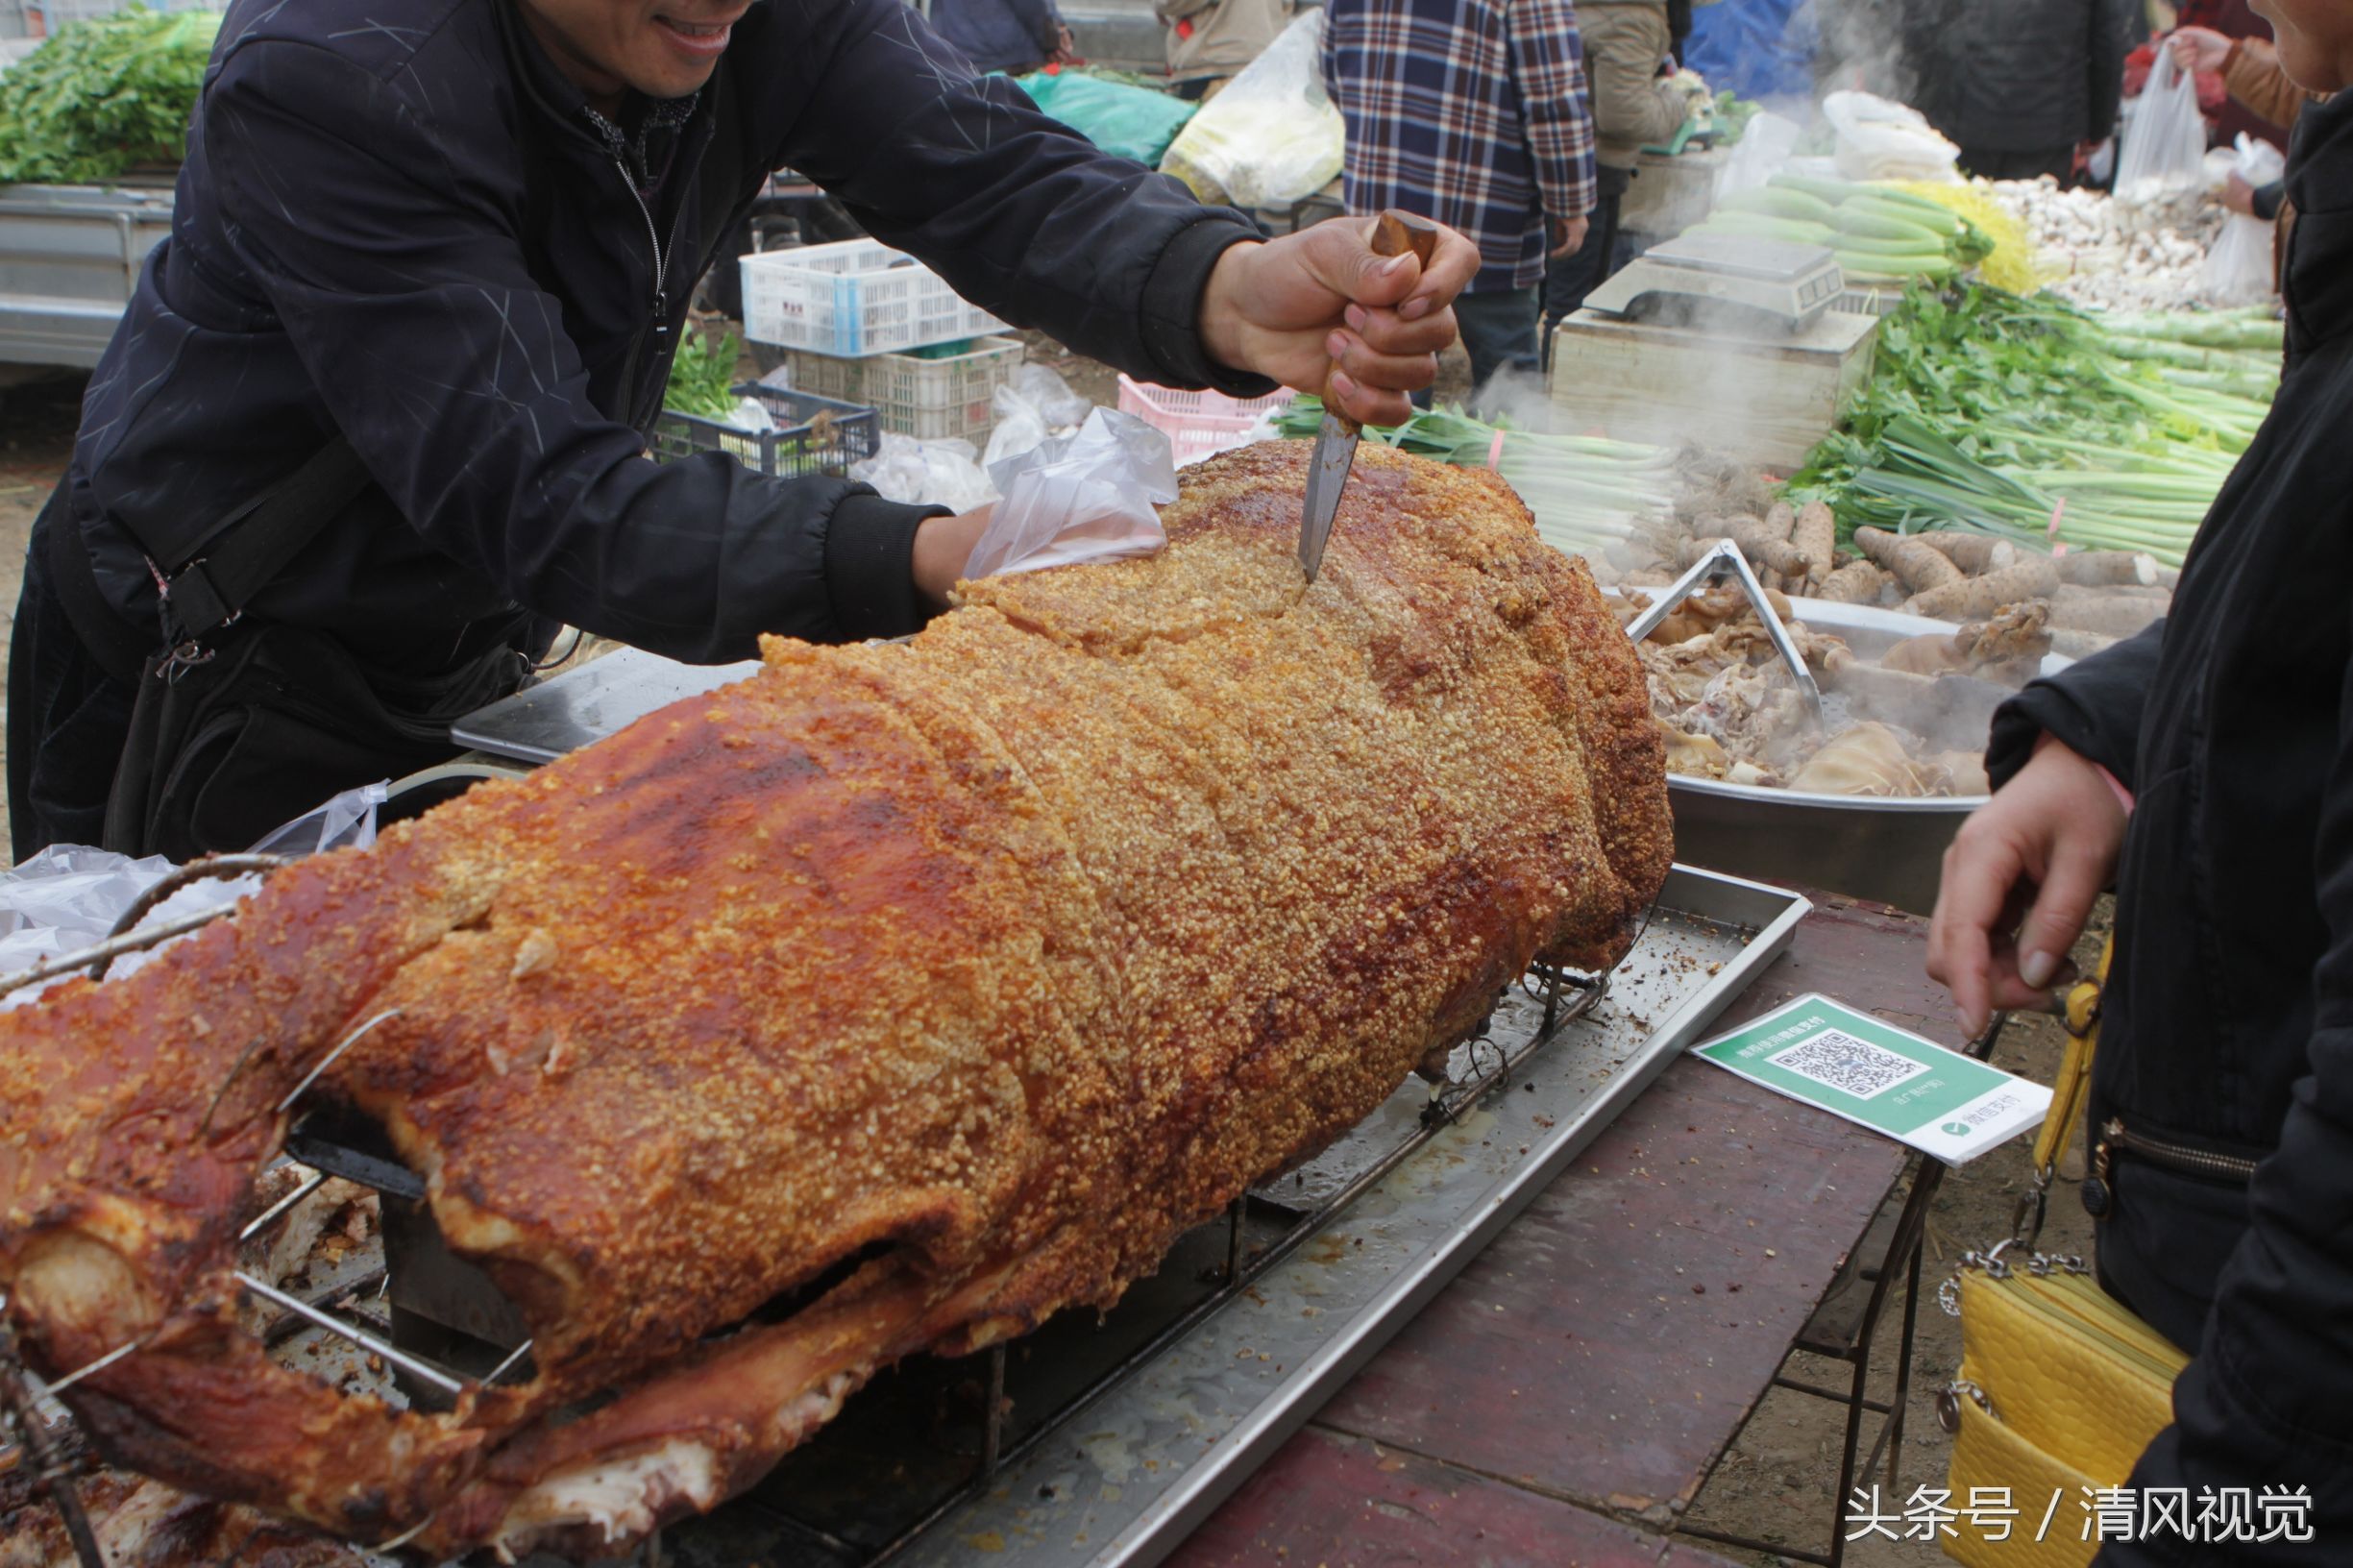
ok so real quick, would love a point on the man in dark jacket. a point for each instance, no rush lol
(1015, 36)
(2019, 84)
(2206, 766)
(463, 244)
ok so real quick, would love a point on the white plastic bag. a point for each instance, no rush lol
(2164, 147)
(940, 473)
(1035, 403)
(2239, 269)
(1092, 496)
(1272, 138)
(1761, 153)
(1880, 139)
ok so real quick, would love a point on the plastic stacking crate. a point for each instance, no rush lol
(854, 298)
(812, 434)
(1198, 423)
(931, 395)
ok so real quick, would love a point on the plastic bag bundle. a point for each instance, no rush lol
(941, 473)
(1092, 496)
(1880, 139)
(2239, 268)
(1272, 138)
(2163, 142)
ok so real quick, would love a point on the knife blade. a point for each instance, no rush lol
(1394, 233)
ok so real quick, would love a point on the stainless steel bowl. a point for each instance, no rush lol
(1891, 851)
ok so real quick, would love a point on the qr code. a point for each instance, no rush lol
(1855, 1067)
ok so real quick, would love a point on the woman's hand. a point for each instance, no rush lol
(2019, 881)
(2198, 48)
(1289, 307)
(942, 544)
(2238, 195)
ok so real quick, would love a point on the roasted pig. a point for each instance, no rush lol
(887, 1001)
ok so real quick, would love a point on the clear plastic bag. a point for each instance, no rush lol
(2164, 144)
(1035, 403)
(1882, 140)
(2239, 269)
(1272, 138)
(1091, 496)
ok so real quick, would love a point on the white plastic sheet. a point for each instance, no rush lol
(941, 473)
(1093, 496)
(68, 896)
(1880, 139)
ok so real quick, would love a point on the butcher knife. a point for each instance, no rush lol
(1394, 233)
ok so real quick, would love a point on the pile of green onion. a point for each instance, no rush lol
(2034, 420)
(1584, 491)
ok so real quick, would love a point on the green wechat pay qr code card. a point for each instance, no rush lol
(1868, 1071)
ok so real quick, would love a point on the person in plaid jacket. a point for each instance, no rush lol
(1475, 114)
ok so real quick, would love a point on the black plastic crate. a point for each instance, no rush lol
(812, 434)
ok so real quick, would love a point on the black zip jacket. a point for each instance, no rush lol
(413, 230)
(2228, 1029)
(2020, 76)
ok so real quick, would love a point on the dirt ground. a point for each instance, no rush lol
(1776, 1479)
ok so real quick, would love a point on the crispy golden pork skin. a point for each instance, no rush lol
(1000, 958)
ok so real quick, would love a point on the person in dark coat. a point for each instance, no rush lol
(2020, 84)
(1015, 36)
(422, 292)
(2205, 768)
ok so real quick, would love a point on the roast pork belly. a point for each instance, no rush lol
(887, 1001)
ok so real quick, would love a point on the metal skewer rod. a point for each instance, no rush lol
(330, 1059)
(424, 1371)
(285, 1206)
(18, 1405)
(507, 1365)
(66, 1381)
(212, 867)
(111, 948)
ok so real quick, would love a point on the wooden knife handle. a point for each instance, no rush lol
(1394, 233)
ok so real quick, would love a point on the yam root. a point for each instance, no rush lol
(1919, 567)
(1757, 542)
(2100, 611)
(1816, 537)
(2168, 578)
(1975, 554)
(2107, 568)
(1973, 599)
(1858, 582)
(2067, 641)
(1779, 520)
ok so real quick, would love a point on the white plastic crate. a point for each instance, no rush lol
(928, 399)
(1198, 423)
(858, 297)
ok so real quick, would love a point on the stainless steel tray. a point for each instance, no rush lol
(580, 706)
(1111, 1469)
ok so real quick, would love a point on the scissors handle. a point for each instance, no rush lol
(1394, 233)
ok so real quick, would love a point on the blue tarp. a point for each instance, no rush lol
(1759, 48)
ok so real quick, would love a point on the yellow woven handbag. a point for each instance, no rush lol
(2060, 1387)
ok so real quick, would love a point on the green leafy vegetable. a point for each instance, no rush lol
(104, 95)
(702, 375)
(2032, 419)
